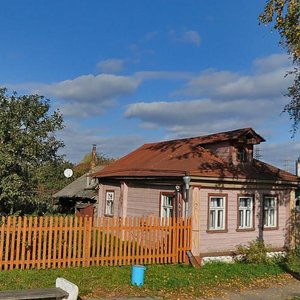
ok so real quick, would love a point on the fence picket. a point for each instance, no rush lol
(7, 242)
(56, 242)
(2, 237)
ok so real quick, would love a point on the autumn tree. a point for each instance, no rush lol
(101, 159)
(284, 16)
(85, 164)
(27, 145)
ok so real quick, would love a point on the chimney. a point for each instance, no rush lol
(298, 167)
(94, 157)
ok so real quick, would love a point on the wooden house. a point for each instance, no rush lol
(231, 197)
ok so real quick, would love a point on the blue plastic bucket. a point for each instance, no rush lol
(137, 275)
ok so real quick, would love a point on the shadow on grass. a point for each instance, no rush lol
(285, 267)
(291, 264)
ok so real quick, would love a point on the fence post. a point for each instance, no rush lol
(2, 240)
(87, 240)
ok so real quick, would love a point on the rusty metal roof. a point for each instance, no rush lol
(188, 156)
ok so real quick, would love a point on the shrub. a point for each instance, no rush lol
(254, 253)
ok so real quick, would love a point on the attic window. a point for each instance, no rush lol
(241, 155)
(298, 204)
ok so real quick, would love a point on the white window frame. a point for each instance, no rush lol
(109, 203)
(217, 213)
(270, 211)
(245, 212)
(167, 205)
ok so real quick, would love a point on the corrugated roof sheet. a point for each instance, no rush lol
(78, 188)
(178, 157)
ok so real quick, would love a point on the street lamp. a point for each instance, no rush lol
(187, 180)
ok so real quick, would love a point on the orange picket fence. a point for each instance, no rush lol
(59, 242)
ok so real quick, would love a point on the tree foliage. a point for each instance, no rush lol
(85, 164)
(284, 16)
(27, 144)
(101, 159)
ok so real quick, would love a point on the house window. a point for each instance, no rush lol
(297, 204)
(241, 155)
(245, 213)
(217, 212)
(109, 203)
(167, 205)
(270, 211)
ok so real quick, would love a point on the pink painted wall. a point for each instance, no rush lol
(101, 198)
(143, 200)
(225, 242)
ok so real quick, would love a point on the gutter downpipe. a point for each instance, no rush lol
(187, 180)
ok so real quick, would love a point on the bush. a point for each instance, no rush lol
(254, 253)
(293, 259)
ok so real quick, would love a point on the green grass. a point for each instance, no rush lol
(167, 278)
(293, 263)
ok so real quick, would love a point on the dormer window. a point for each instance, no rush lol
(298, 204)
(241, 155)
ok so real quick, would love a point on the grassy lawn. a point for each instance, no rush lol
(167, 281)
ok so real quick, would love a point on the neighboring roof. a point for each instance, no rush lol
(78, 188)
(188, 156)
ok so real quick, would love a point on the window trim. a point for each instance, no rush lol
(276, 227)
(252, 228)
(241, 154)
(170, 194)
(113, 201)
(225, 196)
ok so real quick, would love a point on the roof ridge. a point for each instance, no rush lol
(200, 136)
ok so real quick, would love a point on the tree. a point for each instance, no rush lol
(101, 159)
(27, 143)
(284, 15)
(85, 164)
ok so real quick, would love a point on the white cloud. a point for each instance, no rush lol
(186, 36)
(271, 63)
(192, 37)
(86, 95)
(100, 88)
(79, 142)
(282, 154)
(222, 100)
(225, 85)
(112, 66)
(202, 115)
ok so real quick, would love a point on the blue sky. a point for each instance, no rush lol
(124, 73)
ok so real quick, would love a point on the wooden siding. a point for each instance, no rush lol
(116, 188)
(223, 150)
(211, 242)
(143, 200)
